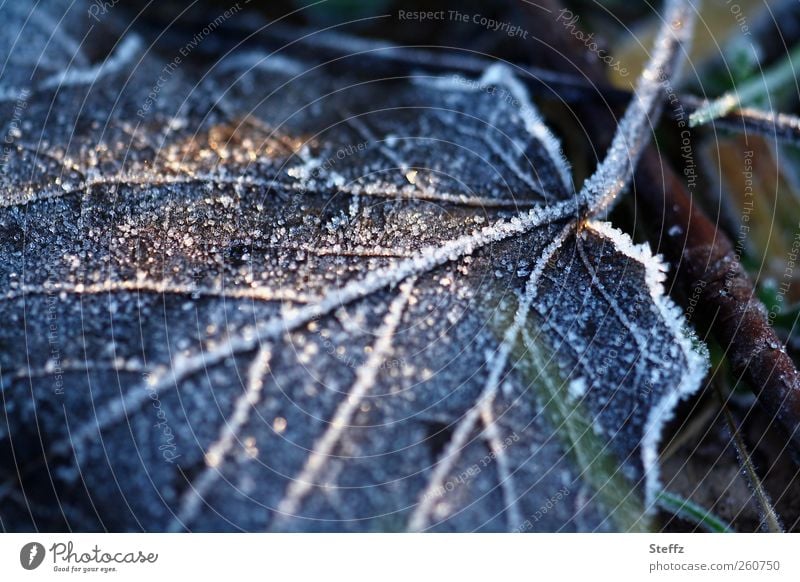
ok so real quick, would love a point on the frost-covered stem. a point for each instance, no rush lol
(782, 127)
(708, 269)
(634, 130)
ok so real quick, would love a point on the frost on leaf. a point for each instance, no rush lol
(276, 299)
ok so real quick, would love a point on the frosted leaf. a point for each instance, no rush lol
(273, 298)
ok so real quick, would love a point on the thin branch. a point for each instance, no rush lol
(748, 92)
(366, 376)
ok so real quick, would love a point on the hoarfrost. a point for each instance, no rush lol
(318, 302)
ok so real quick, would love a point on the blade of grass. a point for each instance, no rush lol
(770, 521)
(748, 93)
(692, 512)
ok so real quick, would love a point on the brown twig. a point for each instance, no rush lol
(703, 258)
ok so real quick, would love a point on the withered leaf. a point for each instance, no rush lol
(264, 297)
